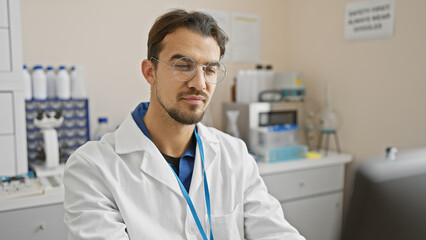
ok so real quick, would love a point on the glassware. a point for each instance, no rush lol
(232, 128)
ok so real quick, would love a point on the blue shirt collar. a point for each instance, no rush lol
(138, 115)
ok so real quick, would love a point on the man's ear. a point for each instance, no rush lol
(148, 71)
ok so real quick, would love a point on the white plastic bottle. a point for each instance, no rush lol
(101, 129)
(63, 84)
(51, 82)
(78, 86)
(39, 83)
(28, 84)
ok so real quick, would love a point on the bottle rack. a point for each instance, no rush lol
(73, 132)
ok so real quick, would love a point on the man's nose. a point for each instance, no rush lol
(198, 81)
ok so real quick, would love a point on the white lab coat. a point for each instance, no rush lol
(122, 188)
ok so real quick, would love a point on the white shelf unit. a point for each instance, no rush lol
(13, 147)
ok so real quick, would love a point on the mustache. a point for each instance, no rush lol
(193, 92)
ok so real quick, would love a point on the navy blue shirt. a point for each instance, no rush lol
(186, 163)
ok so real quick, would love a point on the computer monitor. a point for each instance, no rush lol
(388, 201)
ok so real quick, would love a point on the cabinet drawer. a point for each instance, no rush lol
(297, 184)
(7, 154)
(38, 223)
(4, 16)
(6, 112)
(318, 217)
(5, 60)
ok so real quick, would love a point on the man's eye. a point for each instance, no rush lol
(184, 67)
(211, 70)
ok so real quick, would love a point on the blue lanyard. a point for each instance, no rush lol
(206, 192)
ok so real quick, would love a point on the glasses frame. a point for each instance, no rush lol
(196, 69)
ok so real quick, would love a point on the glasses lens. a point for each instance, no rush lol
(215, 72)
(184, 69)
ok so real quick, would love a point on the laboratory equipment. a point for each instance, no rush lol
(262, 114)
(309, 128)
(47, 122)
(277, 143)
(20, 188)
(232, 128)
(276, 135)
(391, 153)
(26, 187)
(290, 85)
(328, 122)
(279, 154)
(73, 133)
(101, 129)
(388, 198)
(251, 82)
(270, 96)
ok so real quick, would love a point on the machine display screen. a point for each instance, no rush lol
(277, 118)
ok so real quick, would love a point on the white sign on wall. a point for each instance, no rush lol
(245, 40)
(373, 19)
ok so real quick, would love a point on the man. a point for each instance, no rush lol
(162, 174)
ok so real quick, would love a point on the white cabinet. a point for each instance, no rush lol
(6, 110)
(13, 149)
(310, 192)
(36, 223)
(38, 217)
(317, 217)
(5, 63)
(7, 151)
(4, 15)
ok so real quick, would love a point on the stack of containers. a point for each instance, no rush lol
(43, 84)
(251, 82)
(277, 143)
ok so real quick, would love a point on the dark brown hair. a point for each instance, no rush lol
(198, 22)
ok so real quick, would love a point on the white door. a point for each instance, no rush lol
(316, 218)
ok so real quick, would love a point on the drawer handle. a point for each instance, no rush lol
(42, 227)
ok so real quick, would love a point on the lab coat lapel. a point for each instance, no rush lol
(154, 165)
(129, 139)
(211, 154)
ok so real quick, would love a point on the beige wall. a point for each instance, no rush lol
(378, 86)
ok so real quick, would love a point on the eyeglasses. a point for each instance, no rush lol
(185, 68)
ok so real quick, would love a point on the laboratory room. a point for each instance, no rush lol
(189, 119)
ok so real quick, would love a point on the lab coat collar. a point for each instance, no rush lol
(211, 153)
(129, 138)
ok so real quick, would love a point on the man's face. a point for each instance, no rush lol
(185, 102)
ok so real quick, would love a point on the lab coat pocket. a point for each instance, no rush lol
(229, 226)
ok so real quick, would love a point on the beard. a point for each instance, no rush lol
(184, 117)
